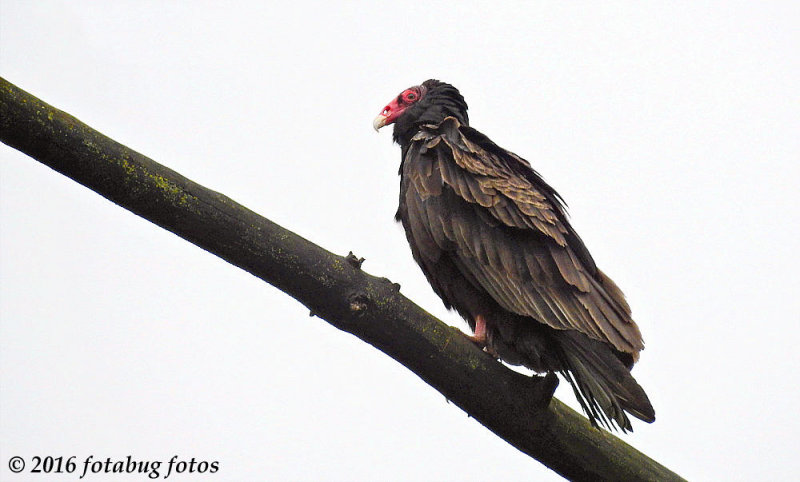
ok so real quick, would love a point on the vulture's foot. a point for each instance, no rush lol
(481, 342)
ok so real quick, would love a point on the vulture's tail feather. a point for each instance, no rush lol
(603, 385)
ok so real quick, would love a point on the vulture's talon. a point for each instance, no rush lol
(479, 342)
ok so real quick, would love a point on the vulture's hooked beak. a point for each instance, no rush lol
(389, 114)
(379, 121)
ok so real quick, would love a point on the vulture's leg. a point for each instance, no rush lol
(479, 338)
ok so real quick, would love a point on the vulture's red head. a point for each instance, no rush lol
(428, 103)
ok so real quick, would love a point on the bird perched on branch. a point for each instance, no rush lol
(494, 241)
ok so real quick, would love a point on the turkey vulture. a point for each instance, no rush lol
(494, 241)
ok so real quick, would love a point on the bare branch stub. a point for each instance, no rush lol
(354, 261)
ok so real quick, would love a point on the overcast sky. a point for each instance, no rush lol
(672, 131)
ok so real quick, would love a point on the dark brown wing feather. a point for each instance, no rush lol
(506, 232)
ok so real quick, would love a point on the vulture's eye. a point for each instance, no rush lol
(409, 97)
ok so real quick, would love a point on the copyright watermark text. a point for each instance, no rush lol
(92, 465)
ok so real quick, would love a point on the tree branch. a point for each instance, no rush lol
(516, 407)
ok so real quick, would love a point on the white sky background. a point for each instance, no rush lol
(673, 132)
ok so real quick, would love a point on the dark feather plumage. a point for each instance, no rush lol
(493, 239)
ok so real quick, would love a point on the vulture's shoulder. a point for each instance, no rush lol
(500, 181)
